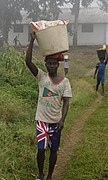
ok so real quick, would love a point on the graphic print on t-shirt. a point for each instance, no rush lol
(48, 93)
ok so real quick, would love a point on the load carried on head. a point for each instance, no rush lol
(51, 36)
(101, 52)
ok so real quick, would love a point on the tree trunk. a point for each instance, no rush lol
(3, 26)
(77, 7)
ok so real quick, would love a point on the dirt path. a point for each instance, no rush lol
(73, 138)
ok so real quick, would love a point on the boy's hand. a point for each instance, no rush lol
(32, 36)
(60, 125)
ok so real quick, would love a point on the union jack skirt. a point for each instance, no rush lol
(47, 135)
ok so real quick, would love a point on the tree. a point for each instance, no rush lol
(50, 10)
(9, 11)
(43, 9)
(75, 10)
(103, 5)
(33, 9)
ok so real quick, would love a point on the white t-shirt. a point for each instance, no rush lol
(66, 64)
(49, 108)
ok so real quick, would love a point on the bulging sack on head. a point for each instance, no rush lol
(102, 52)
(40, 25)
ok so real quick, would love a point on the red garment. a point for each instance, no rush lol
(58, 57)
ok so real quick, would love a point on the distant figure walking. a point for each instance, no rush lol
(66, 64)
(15, 40)
(100, 68)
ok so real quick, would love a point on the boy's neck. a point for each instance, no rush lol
(52, 75)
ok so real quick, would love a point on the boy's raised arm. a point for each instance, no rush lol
(28, 59)
(106, 58)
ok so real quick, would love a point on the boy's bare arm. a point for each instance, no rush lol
(28, 59)
(64, 113)
(106, 58)
(96, 71)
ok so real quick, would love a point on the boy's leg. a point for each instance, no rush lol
(55, 143)
(98, 83)
(52, 162)
(102, 89)
(40, 162)
(97, 86)
(102, 82)
(66, 71)
(41, 147)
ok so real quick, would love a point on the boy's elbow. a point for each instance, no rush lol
(27, 59)
(27, 62)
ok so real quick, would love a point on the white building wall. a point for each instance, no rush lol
(97, 37)
(70, 40)
(106, 34)
(22, 37)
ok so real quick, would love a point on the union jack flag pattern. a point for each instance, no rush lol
(43, 134)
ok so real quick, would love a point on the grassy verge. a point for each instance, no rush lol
(90, 160)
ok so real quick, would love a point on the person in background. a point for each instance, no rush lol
(15, 41)
(52, 108)
(100, 68)
(66, 64)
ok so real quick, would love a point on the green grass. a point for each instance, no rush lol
(90, 159)
(18, 100)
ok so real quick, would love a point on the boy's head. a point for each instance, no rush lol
(52, 62)
(101, 54)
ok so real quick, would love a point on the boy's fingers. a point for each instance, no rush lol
(33, 32)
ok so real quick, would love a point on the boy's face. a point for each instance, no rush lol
(101, 59)
(52, 65)
(101, 54)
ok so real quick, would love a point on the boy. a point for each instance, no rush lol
(52, 108)
(100, 69)
(66, 64)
